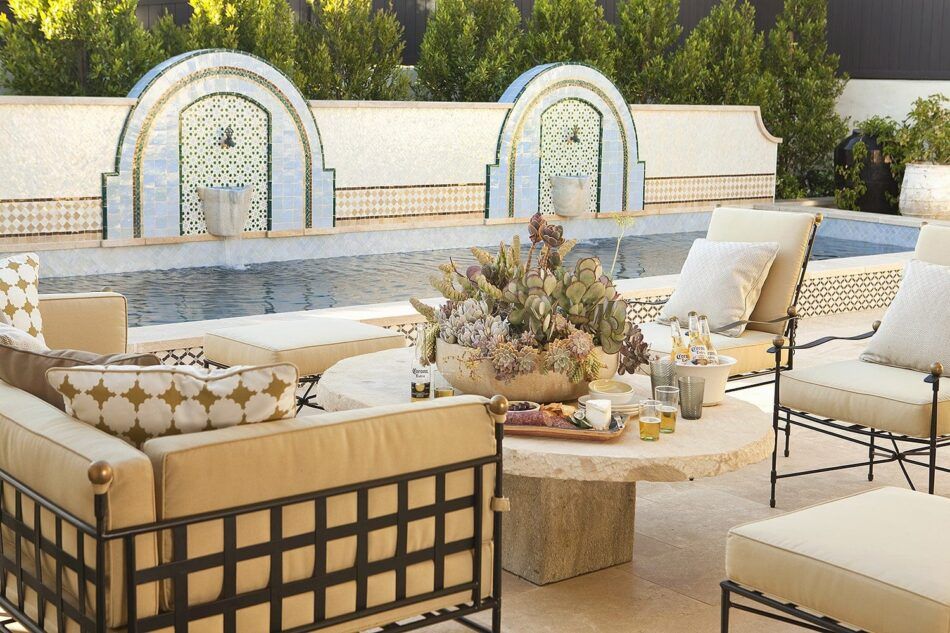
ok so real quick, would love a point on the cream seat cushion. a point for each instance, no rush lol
(878, 560)
(312, 344)
(750, 350)
(877, 396)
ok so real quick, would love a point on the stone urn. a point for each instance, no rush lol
(226, 209)
(478, 377)
(925, 192)
(570, 195)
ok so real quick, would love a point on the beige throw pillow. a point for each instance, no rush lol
(19, 293)
(139, 403)
(722, 280)
(17, 338)
(915, 330)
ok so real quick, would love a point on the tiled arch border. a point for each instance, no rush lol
(199, 65)
(519, 94)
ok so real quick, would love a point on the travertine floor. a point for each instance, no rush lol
(672, 585)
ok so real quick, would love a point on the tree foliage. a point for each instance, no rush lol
(571, 31)
(471, 50)
(350, 52)
(804, 111)
(647, 31)
(266, 28)
(74, 47)
(721, 61)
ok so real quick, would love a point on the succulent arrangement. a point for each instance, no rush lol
(533, 313)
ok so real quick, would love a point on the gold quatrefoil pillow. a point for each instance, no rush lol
(139, 403)
(19, 293)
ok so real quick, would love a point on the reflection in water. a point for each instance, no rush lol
(192, 294)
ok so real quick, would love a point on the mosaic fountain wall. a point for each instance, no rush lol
(93, 172)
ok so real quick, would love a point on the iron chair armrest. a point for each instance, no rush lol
(790, 315)
(780, 341)
(659, 302)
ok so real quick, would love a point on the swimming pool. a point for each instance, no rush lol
(194, 294)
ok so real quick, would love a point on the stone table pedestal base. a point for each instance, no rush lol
(558, 528)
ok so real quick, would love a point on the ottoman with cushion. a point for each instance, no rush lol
(312, 344)
(877, 561)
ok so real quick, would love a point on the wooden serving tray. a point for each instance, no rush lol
(589, 435)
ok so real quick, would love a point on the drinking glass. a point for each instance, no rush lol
(650, 420)
(441, 387)
(661, 373)
(669, 399)
(691, 397)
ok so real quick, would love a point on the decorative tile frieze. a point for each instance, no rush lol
(406, 201)
(849, 293)
(50, 216)
(710, 188)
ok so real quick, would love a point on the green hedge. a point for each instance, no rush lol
(472, 50)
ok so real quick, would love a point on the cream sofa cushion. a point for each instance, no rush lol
(751, 350)
(139, 403)
(19, 294)
(878, 560)
(251, 464)
(313, 344)
(50, 452)
(876, 396)
(66, 319)
(792, 232)
(721, 280)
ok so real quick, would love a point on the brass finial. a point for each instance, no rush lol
(498, 406)
(779, 341)
(876, 325)
(100, 474)
(924, 223)
(936, 370)
(819, 217)
(792, 311)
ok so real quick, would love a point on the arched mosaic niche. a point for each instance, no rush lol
(565, 120)
(216, 118)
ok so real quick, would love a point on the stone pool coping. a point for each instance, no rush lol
(843, 284)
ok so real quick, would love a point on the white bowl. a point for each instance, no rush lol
(716, 376)
(618, 393)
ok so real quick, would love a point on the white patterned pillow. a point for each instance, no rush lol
(722, 280)
(17, 338)
(19, 293)
(915, 330)
(139, 403)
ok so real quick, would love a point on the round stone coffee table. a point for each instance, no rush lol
(572, 501)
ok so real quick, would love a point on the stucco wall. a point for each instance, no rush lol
(863, 98)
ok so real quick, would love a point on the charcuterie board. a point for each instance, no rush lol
(617, 427)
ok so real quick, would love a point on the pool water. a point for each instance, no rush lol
(194, 294)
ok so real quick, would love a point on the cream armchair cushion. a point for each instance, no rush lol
(915, 331)
(139, 403)
(721, 280)
(19, 293)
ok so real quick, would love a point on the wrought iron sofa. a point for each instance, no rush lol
(900, 415)
(341, 522)
(775, 311)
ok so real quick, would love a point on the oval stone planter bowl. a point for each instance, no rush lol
(925, 192)
(570, 195)
(480, 380)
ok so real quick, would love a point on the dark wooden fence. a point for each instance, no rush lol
(877, 39)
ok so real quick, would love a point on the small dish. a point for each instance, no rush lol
(631, 408)
(617, 392)
(523, 405)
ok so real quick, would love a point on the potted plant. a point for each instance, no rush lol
(925, 137)
(529, 328)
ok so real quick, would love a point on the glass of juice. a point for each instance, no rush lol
(649, 420)
(669, 399)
